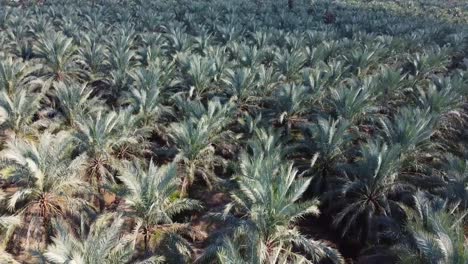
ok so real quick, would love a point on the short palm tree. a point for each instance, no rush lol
(75, 101)
(290, 105)
(200, 72)
(105, 242)
(17, 112)
(15, 75)
(269, 200)
(361, 59)
(436, 234)
(441, 97)
(8, 224)
(352, 103)
(195, 137)
(145, 99)
(290, 63)
(242, 84)
(328, 139)
(150, 199)
(363, 191)
(103, 138)
(51, 186)
(411, 128)
(192, 140)
(92, 54)
(60, 58)
(454, 180)
(120, 57)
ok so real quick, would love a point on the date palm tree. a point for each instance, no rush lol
(194, 139)
(103, 138)
(363, 192)
(51, 186)
(75, 101)
(105, 242)
(352, 103)
(17, 113)
(268, 199)
(328, 141)
(435, 234)
(150, 200)
(411, 129)
(15, 75)
(60, 58)
(8, 224)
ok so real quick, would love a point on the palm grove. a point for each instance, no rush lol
(230, 132)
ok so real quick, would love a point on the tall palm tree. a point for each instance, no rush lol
(150, 199)
(105, 243)
(269, 199)
(51, 186)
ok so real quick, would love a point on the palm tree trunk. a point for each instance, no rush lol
(184, 188)
(145, 239)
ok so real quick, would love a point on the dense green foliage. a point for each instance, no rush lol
(241, 131)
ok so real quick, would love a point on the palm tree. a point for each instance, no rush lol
(200, 72)
(352, 103)
(150, 199)
(60, 57)
(105, 243)
(411, 129)
(363, 192)
(51, 186)
(290, 64)
(92, 53)
(145, 99)
(440, 97)
(291, 103)
(15, 75)
(269, 199)
(17, 112)
(328, 141)
(105, 137)
(361, 59)
(435, 234)
(120, 58)
(242, 84)
(8, 224)
(192, 140)
(453, 181)
(195, 137)
(75, 101)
